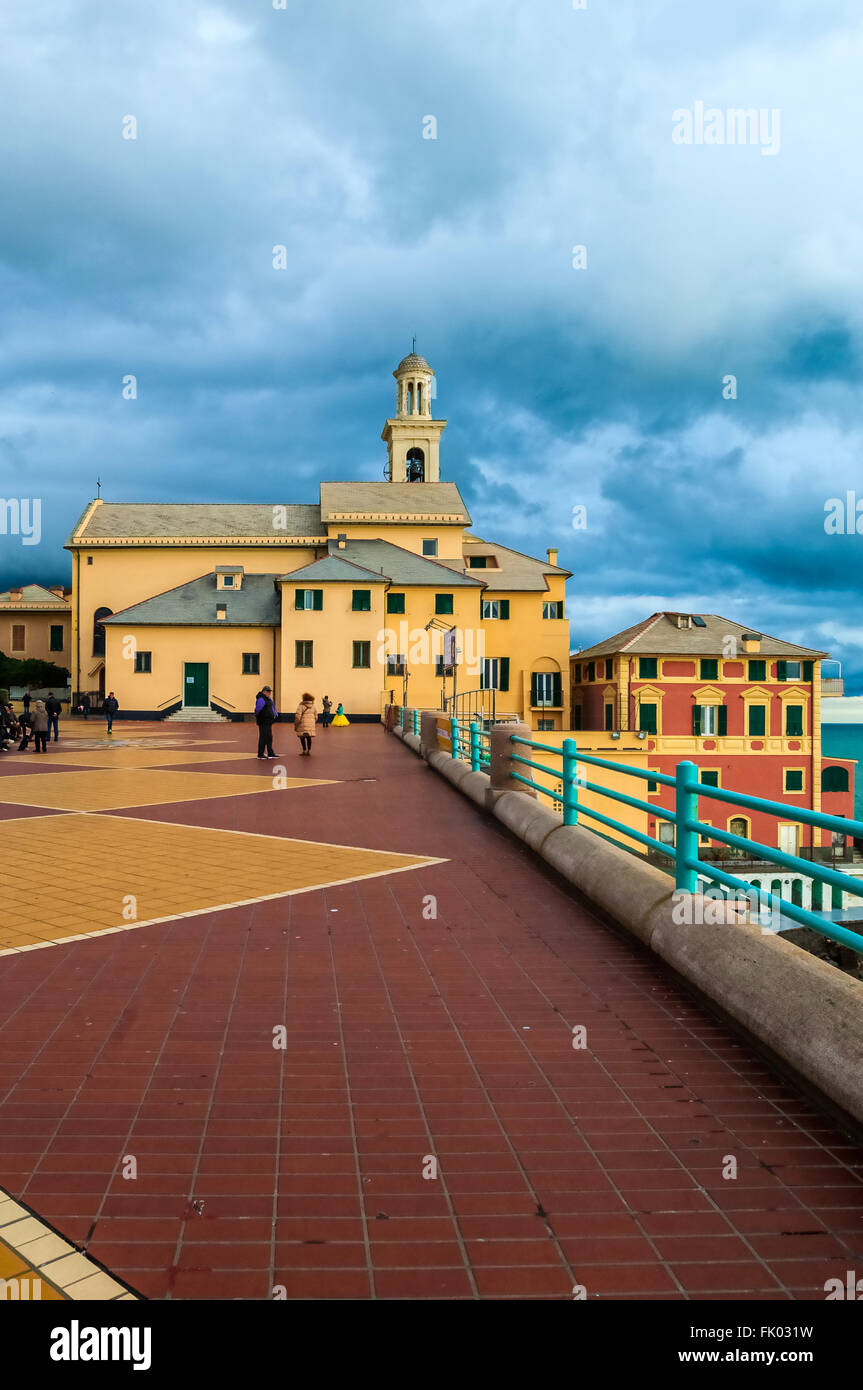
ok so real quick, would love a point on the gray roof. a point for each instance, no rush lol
(335, 568)
(404, 567)
(659, 635)
(34, 595)
(390, 503)
(211, 520)
(256, 604)
(515, 572)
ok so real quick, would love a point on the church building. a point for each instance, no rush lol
(189, 607)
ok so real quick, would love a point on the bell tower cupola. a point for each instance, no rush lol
(412, 437)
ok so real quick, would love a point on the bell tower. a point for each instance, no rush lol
(412, 437)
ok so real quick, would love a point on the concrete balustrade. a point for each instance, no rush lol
(805, 1013)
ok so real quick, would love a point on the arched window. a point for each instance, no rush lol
(419, 398)
(834, 779)
(410, 398)
(99, 631)
(416, 466)
(776, 887)
(797, 891)
(739, 825)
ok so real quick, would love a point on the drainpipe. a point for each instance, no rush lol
(77, 690)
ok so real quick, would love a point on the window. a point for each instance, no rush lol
(362, 657)
(303, 653)
(545, 688)
(647, 668)
(609, 716)
(739, 825)
(440, 669)
(577, 717)
(757, 670)
(361, 601)
(415, 464)
(443, 603)
(793, 670)
(99, 631)
(834, 779)
(552, 609)
(708, 720)
(89, 559)
(652, 786)
(708, 777)
(591, 670)
(495, 608)
(757, 720)
(545, 724)
(309, 598)
(609, 668)
(143, 663)
(793, 779)
(429, 547)
(477, 562)
(495, 673)
(18, 637)
(709, 668)
(56, 637)
(227, 581)
(395, 603)
(251, 663)
(577, 675)
(794, 721)
(647, 718)
(666, 832)
(396, 665)
(221, 611)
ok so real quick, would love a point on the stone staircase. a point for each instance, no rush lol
(194, 715)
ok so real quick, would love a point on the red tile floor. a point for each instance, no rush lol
(410, 1038)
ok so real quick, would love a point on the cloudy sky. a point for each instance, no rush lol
(598, 387)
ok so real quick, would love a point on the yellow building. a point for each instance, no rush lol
(186, 606)
(36, 624)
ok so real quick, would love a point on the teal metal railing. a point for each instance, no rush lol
(688, 866)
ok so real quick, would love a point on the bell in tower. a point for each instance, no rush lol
(412, 437)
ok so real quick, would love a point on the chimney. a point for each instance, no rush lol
(16, 595)
(751, 641)
(552, 555)
(221, 611)
(342, 540)
(58, 591)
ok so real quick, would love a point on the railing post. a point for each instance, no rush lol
(686, 841)
(570, 786)
(416, 721)
(474, 746)
(454, 738)
(401, 716)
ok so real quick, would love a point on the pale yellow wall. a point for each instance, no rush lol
(332, 630)
(171, 648)
(627, 749)
(37, 634)
(409, 537)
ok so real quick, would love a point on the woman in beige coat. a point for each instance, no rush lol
(304, 724)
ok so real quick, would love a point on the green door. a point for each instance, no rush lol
(196, 684)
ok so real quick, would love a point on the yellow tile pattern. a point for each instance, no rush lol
(112, 790)
(38, 1265)
(98, 870)
(127, 757)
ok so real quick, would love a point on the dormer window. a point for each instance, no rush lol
(229, 576)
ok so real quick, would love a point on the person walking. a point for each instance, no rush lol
(26, 723)
(109, 709)
(26, 702)
(40, 720)
(326, 711)
(85, 706)
(341, 720)
(265, 714)
(54, 710)
(304, 724)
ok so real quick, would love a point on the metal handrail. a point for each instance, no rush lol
(172, 701)
(688, 866)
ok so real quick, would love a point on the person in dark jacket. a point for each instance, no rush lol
(265, 714)
(25, 723)
(26, 702)
(326, 710)
(39, 720)
(85, 706)
(54, 710)
(109, 709)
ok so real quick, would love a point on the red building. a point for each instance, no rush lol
(742, 706)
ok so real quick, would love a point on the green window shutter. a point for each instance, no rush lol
(709, 669)
(709, 779)
(609, 716)
(757, 670)
(647, 719)
(647, 668)
(793, 780)
(757, 721)
(362, 601)
(722, 720)
(591, 671)
(317, 599)
(794, 721)
(534, 689)
(696, 721)
(504, 608)
(395, 603)
(807, 670)
(578, 673)
(782, 670)
(299, 600)
(503, 673)
(443, 603)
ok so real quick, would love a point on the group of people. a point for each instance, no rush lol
(36, 723)
(305, 720)
(40, 719)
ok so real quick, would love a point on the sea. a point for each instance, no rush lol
(846, 741)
